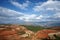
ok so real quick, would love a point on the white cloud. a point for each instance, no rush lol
(40, 17)
(49, 5)
(21, 6)
(50, 0)
(28, 17)
(10, 15)
(57, 15)
(54, 6)
(50, 8)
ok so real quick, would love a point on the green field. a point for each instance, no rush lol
(34, 28)
(29, 27)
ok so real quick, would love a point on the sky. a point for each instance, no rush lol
(18, 11)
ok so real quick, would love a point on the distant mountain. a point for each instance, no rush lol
(54, 24)
(43, 23)
(47, 24)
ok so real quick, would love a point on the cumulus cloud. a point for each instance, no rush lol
(8, 15)
(31, 18)
(11, 16)
(39, 17)
(57, 15)
(50, 8)
(19, 5)
(49, 5)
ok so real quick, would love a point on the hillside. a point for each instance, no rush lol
(27, 32)
(55, 28)
(34, 28)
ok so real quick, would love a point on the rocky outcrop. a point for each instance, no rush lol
(43, 34)
(15, 32)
